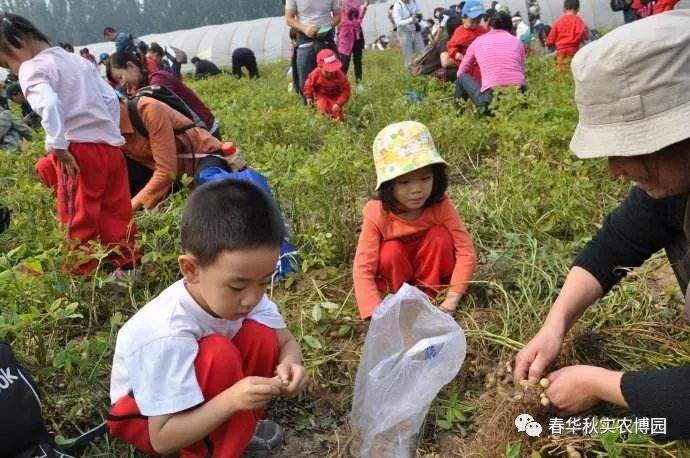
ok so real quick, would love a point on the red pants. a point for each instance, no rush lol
(325, 106)
(96, 204)
(220, 363)
(426, 261)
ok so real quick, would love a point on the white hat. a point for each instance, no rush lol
(632, 88)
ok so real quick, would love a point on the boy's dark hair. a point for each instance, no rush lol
(438, 190)
(573, 5)
(229, 215)
(14, 29)
(13, 90)
(194, 60)
(108, 30)
(501, 21)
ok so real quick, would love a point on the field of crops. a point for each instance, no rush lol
(528, 203)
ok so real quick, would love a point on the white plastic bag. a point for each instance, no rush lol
(412, 350)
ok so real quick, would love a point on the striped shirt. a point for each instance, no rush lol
(501, 59)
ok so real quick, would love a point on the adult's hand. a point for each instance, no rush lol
(535, 357)
(310, 30)
(580, 290)
(574, 389)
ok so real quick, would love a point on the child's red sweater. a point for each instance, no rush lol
(567, 34)
(336, 89)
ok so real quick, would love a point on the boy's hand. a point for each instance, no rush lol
(336, 107)
(253, 393)
(310, 102)
(67, 162)
(293, 377)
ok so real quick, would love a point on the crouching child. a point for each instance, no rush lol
(327, 86)
(195, 367)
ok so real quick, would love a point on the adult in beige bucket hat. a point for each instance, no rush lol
(632, 89)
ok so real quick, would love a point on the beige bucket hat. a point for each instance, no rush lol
(632, 88)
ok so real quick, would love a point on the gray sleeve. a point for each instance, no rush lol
(291, 5)
(335, 5)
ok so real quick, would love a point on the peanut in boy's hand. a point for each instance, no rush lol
(293, 377)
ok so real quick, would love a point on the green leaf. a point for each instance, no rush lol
(513, 449)
(312, 341)
(316, 313)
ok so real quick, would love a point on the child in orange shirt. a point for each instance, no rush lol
(412, 232)
(567, 34)
(328, 85)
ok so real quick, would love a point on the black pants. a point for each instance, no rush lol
(244, 57)
(356, 56)
(138, 175)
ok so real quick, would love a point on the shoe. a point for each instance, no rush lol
(360, 87)
(267, 437)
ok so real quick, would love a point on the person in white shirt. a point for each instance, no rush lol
(194, 368)
(407, 16)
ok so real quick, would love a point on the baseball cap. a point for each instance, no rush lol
(473, 9)
(327, 60)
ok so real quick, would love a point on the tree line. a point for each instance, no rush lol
(82, 21)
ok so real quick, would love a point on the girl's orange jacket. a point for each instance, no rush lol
(380, 225)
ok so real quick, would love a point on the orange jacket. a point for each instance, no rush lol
(159, 152)
(381, 225)
(664, 5)
(336, 89)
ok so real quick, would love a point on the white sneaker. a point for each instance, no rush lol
(360, 88)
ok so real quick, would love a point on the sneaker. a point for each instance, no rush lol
(267, 437)
(360, 87)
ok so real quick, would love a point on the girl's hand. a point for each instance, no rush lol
(67, 162)
(450, 304)
(293, 377)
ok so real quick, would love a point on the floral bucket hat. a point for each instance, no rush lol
(402, 148)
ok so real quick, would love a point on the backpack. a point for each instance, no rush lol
(168, 97)
(620, 5)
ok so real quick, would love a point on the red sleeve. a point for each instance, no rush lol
(553, 35)
(467, 60)
(465, 256)
(454, 43)
(344, 84)
(366, 264)
(309, 84)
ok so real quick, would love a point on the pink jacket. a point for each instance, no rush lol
(350, 27)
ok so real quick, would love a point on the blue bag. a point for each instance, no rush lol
(289, 259)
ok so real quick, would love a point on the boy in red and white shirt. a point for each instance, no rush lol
(567, 34)
(328, 85)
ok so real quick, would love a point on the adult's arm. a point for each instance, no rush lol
(467, 60)
(631, 234)
(661, 394)
(292, 20)
(161, 131)
(398, 18)
(635, 230)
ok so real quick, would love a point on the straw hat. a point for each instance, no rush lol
(632, 88)
(402, 148)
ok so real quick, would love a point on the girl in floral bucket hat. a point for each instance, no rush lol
(411, 231)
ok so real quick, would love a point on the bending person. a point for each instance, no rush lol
(168, 147)
(615, 78)
(501, 60)
(126, 68)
